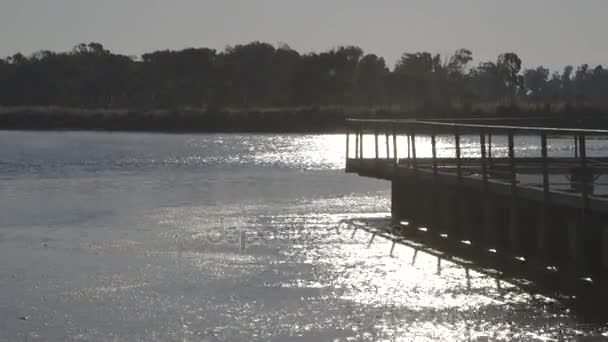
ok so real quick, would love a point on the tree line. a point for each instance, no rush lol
(260, 75)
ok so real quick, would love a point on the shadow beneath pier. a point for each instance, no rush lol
(506, 283)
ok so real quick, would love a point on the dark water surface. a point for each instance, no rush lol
(157, 237)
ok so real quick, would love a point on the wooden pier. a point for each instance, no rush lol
(480, 207)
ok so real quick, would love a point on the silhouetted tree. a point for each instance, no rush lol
(416, 76)
(536, 83)
(509, 65)
(456, 74)
(284, 62)
(178, 77)
(486, 82)
(371, 78)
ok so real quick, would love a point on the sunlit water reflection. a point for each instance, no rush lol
(112, 237)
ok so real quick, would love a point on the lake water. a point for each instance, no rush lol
(158, 237)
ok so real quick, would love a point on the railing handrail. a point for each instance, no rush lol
(392, 123)
(493, 118)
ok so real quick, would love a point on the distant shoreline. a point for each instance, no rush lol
(299, 120)
(266, 120)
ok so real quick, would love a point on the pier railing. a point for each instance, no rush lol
(581, 169)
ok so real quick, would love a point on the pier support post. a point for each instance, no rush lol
(514, 235)
(574, 240)
(489, 222)
(605, 247)
(394, 200)
(542, 238)
(449, 220)
(398, 200)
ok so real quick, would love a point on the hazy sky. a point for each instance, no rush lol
(549, 32)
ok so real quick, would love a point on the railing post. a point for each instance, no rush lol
(545, 164)
(434, 152)
(395, 146)
(361, 142)
(490, 146)
(458, 154)
(347, 142)
(409, 156)
(512, 166)
(388, 150)
(376, 144)
(357, 145)
(484, 166)
(413, 143)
